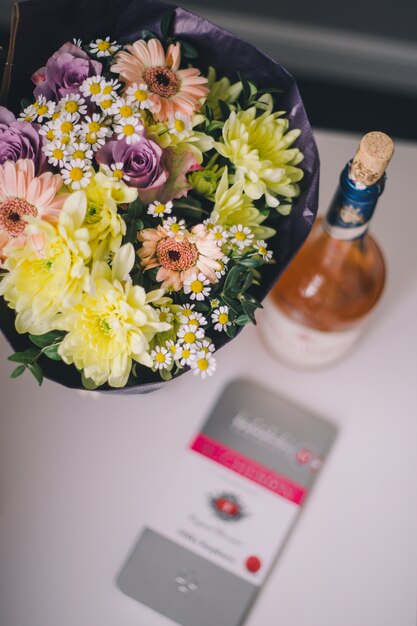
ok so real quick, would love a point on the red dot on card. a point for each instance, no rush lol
(253, 564)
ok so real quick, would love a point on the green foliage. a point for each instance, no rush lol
(167, 22)
(47, 345)
(133, 221)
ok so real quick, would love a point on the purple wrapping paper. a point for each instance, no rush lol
(43, 26)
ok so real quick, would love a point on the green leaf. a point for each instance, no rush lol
(248, 282)
(165, 374)
(133, 213)
(242, 320)
(36, 370)
(148, 34)
(18, 371)
(188, 207)
(215, 126)
(208, 112)
(231, 278)
(166, 23)
(47, 339)
(24, 357)
(231, 331)
(139, 224)
(25, 102)
(52, 352)
(225, 109)
(252, 261)
(187, 50)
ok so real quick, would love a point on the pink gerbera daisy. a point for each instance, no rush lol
(180, 256)
(171, 90)
(22, 194)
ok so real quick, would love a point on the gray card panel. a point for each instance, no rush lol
(269, 429)
(184, 586)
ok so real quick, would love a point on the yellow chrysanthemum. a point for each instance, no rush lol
(258, 147)
(106, 227)
(113, 325)
(221, 90)
(232, 206)
(196, 142)
(49, 273)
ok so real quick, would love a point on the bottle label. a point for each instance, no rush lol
(300, 345)
(352, 208)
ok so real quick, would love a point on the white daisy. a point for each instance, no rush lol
(76, 174)
(204, 364)
(197, 285)
(56, 153)
(93, 87)
(172, 227)
(215, 303)
(221, 318)
(220, 235)
(44, 109)
(180, 126)
(28, 114)
(186, 311)
(165, 314)
(241, 236)
(106, 103)
(157, 209)
(188, 335)
(139, 95)
(261, 248)
(80, 150)
(129, 129)
(171, 346)
(205, 346)
(48, 131)
(66, 124)
(123, 110)
(95, 125)
(195, 319)
(162, 359)
(94, 141)
(73, 103)
(222, 263)
(115, 172)
(185, 355)
(103, 47)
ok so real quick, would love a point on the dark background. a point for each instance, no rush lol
(332, 101)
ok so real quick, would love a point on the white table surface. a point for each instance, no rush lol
(79, 477)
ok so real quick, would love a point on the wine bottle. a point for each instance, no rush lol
(319, 307)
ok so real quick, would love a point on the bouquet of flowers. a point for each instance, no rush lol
(143, 191)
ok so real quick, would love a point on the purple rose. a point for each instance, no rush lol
(142, 162)
(20, 140)
(65, 71)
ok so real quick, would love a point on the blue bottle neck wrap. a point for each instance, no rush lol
(352, 207)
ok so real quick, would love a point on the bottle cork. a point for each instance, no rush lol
(372, 158)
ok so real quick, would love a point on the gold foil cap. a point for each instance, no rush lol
(372, 158)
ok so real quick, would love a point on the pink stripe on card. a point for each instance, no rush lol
(252, 470)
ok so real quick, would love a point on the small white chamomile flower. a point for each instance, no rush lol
(80, 150)
(44, 109)
(73, 103)
(186, 311)
(66, 124)
(185, 355)
(115, 172)
(195, 319)
(139, 95)
(165, 314)
(28, 114)
(222, 266)
(76, 174)
(220, 235)
(93, 87)
(94, 141)
(241, 236)
(48, 131)
(172, 227)
(197, 285)
(215, 303)
(220, 318)
(123, 110)
(56, 153)
(188, 335)
(162, 358)
(180, 126)
(94, 124)
(129, 129)
(158, 210)
(205, 345)
(204, 364)
(104, 47)
(261, 248)
(171, 346)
